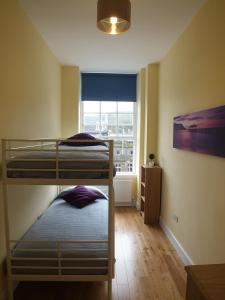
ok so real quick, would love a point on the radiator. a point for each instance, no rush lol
(123, 192)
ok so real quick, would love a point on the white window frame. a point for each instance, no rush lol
(134, 137)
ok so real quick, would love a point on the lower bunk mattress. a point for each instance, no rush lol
(47, 255)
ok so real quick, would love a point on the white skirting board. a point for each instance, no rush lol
(179, 249)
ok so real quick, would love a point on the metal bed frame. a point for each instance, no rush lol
(10, 149)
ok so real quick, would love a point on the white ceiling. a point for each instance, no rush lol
(69, 28)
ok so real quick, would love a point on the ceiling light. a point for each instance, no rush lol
(113, 16)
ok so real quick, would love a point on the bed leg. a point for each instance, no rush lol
(110, 289)
(10, 289)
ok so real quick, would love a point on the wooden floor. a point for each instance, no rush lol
(147, 267)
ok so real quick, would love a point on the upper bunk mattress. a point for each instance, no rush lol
(63, 222)
(44, 163)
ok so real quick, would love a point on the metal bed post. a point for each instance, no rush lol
(107, 180)
(110, 222)
(57, 159)
(6, 221)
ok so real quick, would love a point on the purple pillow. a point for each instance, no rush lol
(79, 196)
(82, 136)
(98, 192)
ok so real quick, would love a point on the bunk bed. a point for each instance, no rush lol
(75, 253)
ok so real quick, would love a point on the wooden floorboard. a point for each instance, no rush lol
(147, 268)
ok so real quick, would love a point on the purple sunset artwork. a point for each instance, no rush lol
(202, 131)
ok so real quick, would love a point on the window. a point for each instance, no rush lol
(130, 167)
(117, 152)
(107, 119)
(113, 120)
(118, 167)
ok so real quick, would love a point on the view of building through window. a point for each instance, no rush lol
(113, 120)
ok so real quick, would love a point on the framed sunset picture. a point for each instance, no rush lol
(202, 131)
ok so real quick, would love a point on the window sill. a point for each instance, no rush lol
(125, 175)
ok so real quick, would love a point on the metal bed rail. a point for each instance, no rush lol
(58, 166)
(13, 147)
(28, 257)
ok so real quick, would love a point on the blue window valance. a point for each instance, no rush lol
(108, 87)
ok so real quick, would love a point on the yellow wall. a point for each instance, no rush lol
(30, 91)
(140, 127)
(151, 109)
(192, 78)
(147, 107)
(70, 100)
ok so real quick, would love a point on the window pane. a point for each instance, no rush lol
(125, 107)
(109, 124)
(125, 119)
(108, 106)
(124, 155)
(109, 119)
(91, 118)
(109, 130)
(114, 120)
(91, 106)
(91, 123)
(125, 131)
(112, 131)
(117, 144)
(91, 129)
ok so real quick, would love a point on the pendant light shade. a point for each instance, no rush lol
(113, 16)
